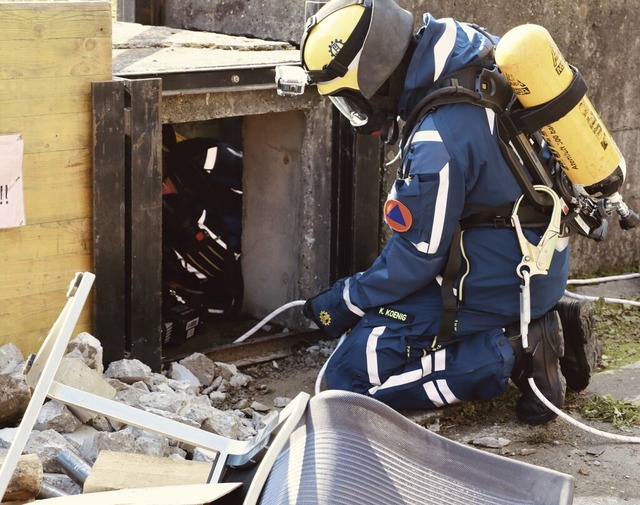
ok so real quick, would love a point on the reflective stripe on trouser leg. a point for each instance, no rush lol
(374, 362)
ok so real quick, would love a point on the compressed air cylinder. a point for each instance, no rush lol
(537, 73)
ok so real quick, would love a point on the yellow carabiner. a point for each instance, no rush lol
(537, 258)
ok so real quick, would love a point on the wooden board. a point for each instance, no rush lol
(145, 221)
(194, 494)
(29, 21)
(51, 53)
(109, 204)
(117, 470)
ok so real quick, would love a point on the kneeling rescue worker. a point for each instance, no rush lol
(364, 55)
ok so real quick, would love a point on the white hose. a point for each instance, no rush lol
(324, 367)
(598, 280)
(582, 426)
(551, 406)
(268, 318)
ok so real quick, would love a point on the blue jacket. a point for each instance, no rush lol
(454, 167)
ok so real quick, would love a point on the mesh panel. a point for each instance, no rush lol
(355, 450)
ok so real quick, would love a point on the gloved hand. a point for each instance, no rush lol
(329, 311)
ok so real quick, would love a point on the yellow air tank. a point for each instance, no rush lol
(537, 72)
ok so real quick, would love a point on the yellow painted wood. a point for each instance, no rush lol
(55, 132)
(24, 59)
(51, 53)
(35, 21)
(44, 96)
(43, 242)
(58, 186)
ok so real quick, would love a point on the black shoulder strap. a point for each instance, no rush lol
(449, 320)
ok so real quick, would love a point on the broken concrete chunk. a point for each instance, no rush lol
(197, 409)
(226, 370)
(91, 350)
(217, 397)
(228, 424)
(200, 366)
(84, 440)
(73, 372)
(118, 441)
(183, 386)
(150, 443)
(101, 423)
(15, 395)
(169, 402)
(281, 402)
(239, 380)
(129, 371)
(47, 444)
(491, 442)
(173, 417)
(56, 416)
(260, 407)
(180, 372)
(130, 396)
(11, 359)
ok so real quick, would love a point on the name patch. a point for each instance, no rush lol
(396, 315)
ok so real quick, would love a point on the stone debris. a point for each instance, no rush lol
(193, 391)
(491, 442)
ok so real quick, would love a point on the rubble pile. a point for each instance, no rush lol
(195, 390)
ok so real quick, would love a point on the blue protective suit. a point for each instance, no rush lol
(454, 166)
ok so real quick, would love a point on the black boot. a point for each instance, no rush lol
(546, 343)
(581, 348)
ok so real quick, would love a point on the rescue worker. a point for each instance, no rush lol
(364, 56)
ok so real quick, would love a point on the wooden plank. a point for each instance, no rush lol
(28, 303)
(50, 55)
(45, 241)
(31, 59)
(117, 470)
(191, 494)
(144, 222)
(60, 132)
(29, 341)
(109, 216)
(41, 275)
(52, 20)
(48, 95)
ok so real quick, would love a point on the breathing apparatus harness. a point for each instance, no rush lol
(548, 200)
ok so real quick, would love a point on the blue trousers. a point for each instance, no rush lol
(393, 361)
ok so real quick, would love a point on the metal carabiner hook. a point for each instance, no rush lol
(537, 258)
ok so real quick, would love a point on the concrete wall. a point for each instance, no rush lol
(597, 37)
